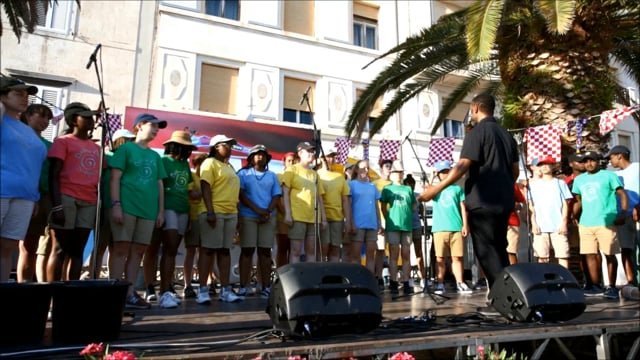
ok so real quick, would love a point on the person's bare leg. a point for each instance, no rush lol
(264, 266)
(612, 269)
(457, 267)
(627, 263)
(170, 244)
(295, 251)
(246, 263)
(133, 264)
(394, 250)
(187, 265)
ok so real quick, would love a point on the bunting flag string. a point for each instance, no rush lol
(114, 123)
(543, 141)
(389, 149)
(342, 145)
(365, 149)
(440, 149)
(580, 123)
(610, 118)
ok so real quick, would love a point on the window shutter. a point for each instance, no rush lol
(218, 87)
(365, 10)
(298, 16)
(293, 90)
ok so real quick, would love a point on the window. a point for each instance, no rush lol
(52, 97)
(365, 25)
(375, 112)
(298, 16)
(293, 111)
(218, 88)
(229, 9)
(453, 128)
(57, 16)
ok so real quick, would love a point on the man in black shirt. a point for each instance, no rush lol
(490, 156)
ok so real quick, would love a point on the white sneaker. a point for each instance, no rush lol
(167, 301)
(227, 295)
(463, 288)
(439, 289)
(203, 296)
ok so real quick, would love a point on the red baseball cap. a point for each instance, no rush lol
(547, 160)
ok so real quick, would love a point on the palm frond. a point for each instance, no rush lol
(12, 11)
(471, 82)
(483, 20)
(558, 14)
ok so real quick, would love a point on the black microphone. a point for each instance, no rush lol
(407, 137)
(92, 58)
(305, 95)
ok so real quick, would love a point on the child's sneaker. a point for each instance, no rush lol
(134, 301)
(167, 301)
(463, 288)
(227, 295)
(439, 290)
(407, 289)
(610, 292)
(189, 293)
(265, 293)
(393, 287)
(203, 296)
(150, 294)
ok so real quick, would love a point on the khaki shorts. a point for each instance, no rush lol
(133, 229)
(448, 243)
(603, 238)
(627, 233)
(302, 230)
(399, 238)
(513, 239)
(367, 235)
(44, 243)
(543, 243)
(175, 221)
(254, 235)
(40, 221)
(192, 237)
(220, 237)
(78, 214)
(333, 233)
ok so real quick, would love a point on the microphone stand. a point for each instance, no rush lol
(318, 151)
(105, 130)
(427, 241)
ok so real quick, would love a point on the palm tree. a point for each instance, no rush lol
(547, 61)
(25, 13)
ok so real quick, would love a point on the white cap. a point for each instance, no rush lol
(123, 133)
(221, 138)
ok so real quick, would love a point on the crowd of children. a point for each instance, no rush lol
(151, 202)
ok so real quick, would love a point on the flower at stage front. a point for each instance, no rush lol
(402, 356)
(480, 352)
(93, 351)
(101, 352)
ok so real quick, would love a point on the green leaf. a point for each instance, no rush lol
(483, 20)
(558, 14)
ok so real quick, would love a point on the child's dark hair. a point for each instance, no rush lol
(182, 151)
(40, 109)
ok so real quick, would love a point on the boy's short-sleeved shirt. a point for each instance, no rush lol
(225, 185)
(598, 196)
(302, 185)
(80, 174)
(400, 201)
(259, 187)
(548, 198)
(176, 184)
(447, 212)
(335, 186)
(141, 169)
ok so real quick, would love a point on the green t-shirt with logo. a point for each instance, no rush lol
(176, 184)
(598, 195)
(44, 173)
(447, 213)
(400, 200)
(141, 169)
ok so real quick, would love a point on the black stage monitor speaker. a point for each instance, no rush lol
(321, 299)
(537, 292)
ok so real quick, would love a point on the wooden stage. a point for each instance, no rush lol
(415, 324)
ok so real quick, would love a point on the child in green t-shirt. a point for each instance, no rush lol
(397, 204)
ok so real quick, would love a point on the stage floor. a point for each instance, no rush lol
(242, 331)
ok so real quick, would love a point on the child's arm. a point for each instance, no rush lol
(116, 208)
(57, 213)
(160, 218)
(465, 224)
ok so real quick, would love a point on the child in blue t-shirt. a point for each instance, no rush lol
(449, 230)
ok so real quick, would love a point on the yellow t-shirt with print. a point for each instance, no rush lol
(302, 185)
(335, 187)
(195, 206)
(225, 185)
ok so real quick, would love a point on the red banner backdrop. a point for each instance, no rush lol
(279, 139)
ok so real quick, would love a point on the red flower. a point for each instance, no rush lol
(93, 350)
(402, 356)
(120, 355)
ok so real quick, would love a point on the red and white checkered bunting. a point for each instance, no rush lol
(114, 123)
(610, 118)
(389, 149)
(440, 149)
(342, 146)
(543, 141)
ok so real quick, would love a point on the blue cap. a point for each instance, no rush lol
(442, 165)
(149, 118)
